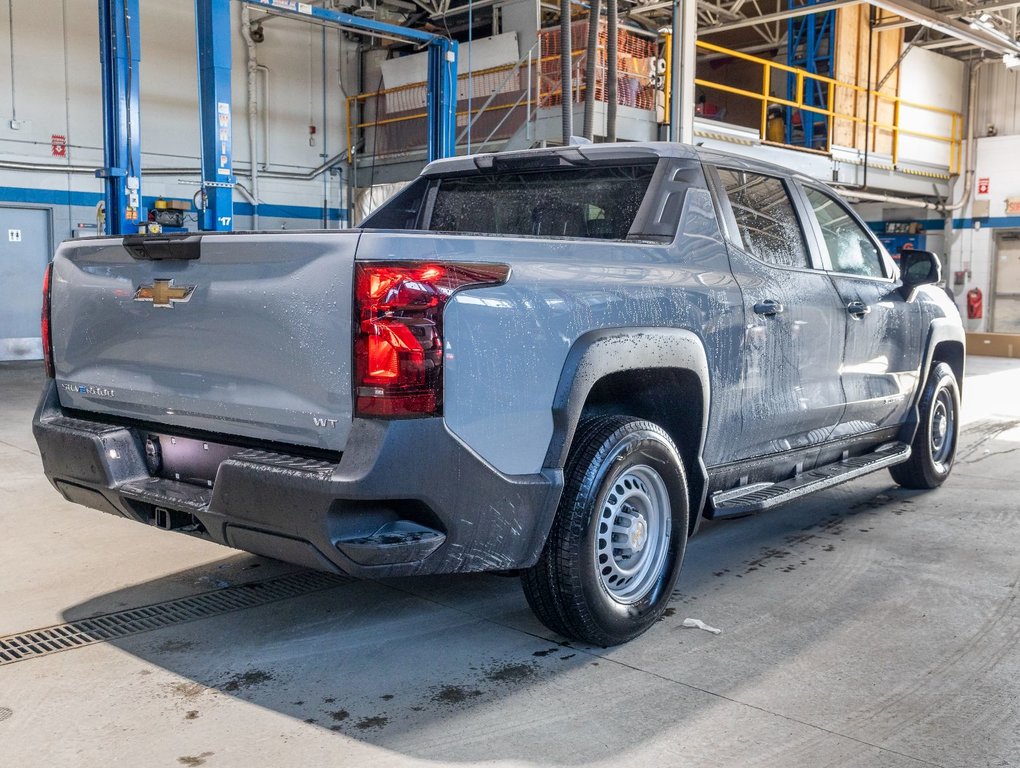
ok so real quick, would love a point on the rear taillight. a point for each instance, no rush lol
(398, 334)
(47, 338)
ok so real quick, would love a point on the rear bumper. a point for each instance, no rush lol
(407, 497)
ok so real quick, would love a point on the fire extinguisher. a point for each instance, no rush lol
(975, 301)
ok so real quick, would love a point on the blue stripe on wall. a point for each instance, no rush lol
(1000, 222)
(48, 196)
(927, 225)
(90, 199)
(938, 225)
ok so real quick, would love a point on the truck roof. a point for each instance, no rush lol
(620, 151)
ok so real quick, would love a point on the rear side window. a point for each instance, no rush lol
(600, 203)
(768, 226)
(401, 211)
(850, 249)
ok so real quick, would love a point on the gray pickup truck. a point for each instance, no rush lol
(555, 361)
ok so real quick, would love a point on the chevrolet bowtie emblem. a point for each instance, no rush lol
(163, 293)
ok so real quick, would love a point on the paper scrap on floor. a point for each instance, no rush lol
(699, 624)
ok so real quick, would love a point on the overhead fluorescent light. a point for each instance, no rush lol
(1011, 60)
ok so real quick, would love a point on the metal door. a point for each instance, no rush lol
(25, 249)
(1006, 301)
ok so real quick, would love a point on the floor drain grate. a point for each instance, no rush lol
(110, 626)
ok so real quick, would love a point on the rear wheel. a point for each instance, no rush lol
(618, 541)
(934, 448)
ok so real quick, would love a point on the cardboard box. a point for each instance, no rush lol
(994, 344)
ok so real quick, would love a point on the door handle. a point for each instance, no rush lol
(858, 309)
(768, 307)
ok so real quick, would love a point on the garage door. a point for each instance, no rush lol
(24, 251)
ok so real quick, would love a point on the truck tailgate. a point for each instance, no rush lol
(252, 338)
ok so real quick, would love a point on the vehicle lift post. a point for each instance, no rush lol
(212, 22)
(119, 38)
(120, 54)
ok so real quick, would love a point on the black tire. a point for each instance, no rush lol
(593, 582)
(934, 448)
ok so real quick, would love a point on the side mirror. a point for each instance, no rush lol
(918, 268)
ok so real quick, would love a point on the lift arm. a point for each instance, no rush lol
(442, 63)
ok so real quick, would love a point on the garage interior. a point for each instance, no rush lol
(865, 626)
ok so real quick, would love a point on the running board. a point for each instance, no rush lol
(758, 497)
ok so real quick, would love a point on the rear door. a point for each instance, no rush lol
(881, 357)
(794, 327)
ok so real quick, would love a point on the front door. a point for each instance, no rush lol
(881, 357)
(794, 321)
(25, 250)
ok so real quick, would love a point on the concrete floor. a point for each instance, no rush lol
(867, 626)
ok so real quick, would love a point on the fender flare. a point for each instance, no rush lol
(598, 354)
(941, 329)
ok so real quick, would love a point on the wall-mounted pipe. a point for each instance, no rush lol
(874, 197)
(335, 160)
(11, 165)
(253, 109)
(266, 107)
(968, 143)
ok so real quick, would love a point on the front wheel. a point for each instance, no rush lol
(934, 448)
(618, 540)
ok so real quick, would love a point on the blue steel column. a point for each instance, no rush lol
(119, 50)
(810, 43)
(442, 98)
(213, 42)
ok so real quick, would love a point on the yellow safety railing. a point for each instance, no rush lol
(545, 89)
(352, 101)
(538, 96)
(872, 124)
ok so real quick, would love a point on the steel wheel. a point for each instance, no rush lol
(633, 536)
(942, 430)
(934, 445)
(617, 544)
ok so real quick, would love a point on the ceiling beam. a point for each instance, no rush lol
(939, 22)
(999, 6)
(768, 18)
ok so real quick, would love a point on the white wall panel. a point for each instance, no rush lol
(998, 100)
(934, 80)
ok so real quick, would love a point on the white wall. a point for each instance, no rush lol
(998, 102)
(972, 241)
(934, 80)
(56, 82)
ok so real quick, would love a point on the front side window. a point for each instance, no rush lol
(850, 249)
(768, 226)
